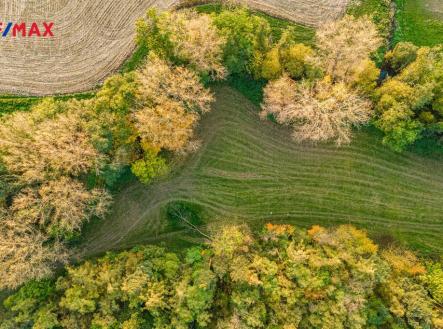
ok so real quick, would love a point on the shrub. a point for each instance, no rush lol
(403, 54)
(183, 214)
(149, 167)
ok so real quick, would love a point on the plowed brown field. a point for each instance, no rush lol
(93, 38)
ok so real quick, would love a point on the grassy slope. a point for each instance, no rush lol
(303, 34)
(11, 103)
(417, 24)
(249, 170)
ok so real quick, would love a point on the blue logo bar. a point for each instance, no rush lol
(6, 31)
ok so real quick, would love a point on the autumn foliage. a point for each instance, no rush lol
(284, 277)
(328, 108)
(171, 102)
(410, 102)
(320, 112)
(346, 44)
(184, 37)
(59, 160)
(51, 154)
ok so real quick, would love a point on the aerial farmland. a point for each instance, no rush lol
(254, 164)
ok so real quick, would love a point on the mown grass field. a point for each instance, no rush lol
(251, 171)
(419, 21)
(11, 103)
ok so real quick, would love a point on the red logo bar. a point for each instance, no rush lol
(27, 29)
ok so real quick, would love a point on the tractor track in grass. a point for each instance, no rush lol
(251, 171)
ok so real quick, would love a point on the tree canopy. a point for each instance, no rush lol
(283, 277)
(61, 158)
(337, 81)
(410, 103)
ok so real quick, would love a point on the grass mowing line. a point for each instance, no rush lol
(251, 170)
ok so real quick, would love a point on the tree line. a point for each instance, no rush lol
(324, 91)
(283, 277)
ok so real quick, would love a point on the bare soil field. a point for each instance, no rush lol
(435, 6)
(93, 38)
(308, 12)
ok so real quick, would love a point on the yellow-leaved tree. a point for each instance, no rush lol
(171, 101)
(326, 109)
(45, 152)
(60, 205)
(184, 36)
(345, 45)
(38, 146)
(318, 112)
(25, 253)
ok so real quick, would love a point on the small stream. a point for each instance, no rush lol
(384, 73)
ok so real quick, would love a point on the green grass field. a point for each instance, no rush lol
(251, 171)
(11, 103)
(419, 21)
(303, 34)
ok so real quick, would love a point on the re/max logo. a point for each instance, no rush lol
(26, 29)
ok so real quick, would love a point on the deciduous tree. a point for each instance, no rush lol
(25, 253)
(60, 206)
(149, 167)
(185, 37)
(160, 82)
(247, 35)
(408, 102)
(319, 112)
(346, 44)
(282, 277)
(35, 148)
(403, 54)
(171, 100)
(166, 126)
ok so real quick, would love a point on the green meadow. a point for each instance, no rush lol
(251, 171)
(419, 22)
